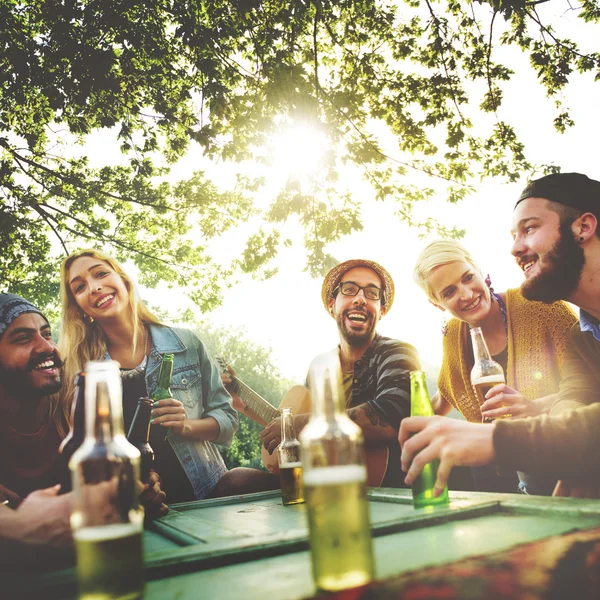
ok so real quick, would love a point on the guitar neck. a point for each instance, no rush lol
(254, 401)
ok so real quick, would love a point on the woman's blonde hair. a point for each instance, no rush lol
(436, 254)
(80, 340)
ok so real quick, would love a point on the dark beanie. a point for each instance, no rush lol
(571, 189)
(11, 307)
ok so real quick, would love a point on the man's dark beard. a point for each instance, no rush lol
(18, 382)
(563, 268)
(353, 338)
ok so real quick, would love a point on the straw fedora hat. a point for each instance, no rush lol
(332, 280)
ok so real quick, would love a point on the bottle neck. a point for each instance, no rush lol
(325, 390)
(104, 413)
(165, 374)
(420, 405)
(78, 425)
(480, 349)
(139, 432)
(288, 431)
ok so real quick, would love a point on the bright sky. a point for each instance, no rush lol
(285, 312)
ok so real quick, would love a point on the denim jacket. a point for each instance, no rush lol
(197, 384)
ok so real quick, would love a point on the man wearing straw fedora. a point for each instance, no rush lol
(375, 369)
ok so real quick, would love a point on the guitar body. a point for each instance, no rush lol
(298, 399)
(251, 404)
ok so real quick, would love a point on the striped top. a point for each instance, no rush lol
(382, 378)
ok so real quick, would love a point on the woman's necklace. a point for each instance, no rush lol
(141, 368)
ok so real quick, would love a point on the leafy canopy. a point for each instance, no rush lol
(402, 90)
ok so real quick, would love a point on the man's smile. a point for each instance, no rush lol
(356, 316)
(527, 263)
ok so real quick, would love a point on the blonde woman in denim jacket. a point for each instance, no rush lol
(103, 317)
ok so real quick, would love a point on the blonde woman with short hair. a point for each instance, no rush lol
(527, 338)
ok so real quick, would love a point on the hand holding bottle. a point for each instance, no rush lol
(453, 442)
(153, 498)
(169, 413)
(502, 402)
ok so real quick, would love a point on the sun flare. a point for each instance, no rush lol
(299, 151)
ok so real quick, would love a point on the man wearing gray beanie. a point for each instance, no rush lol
(30, 432)
(32, 425)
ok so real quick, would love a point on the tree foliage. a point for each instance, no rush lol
(223, 75)
(255, 366)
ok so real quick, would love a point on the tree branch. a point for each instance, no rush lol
(76, 181)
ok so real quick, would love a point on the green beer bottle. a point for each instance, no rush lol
(334, 477)
(420, 406)
(107, 518)
(163, 387)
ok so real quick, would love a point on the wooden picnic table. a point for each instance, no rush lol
(253, 547)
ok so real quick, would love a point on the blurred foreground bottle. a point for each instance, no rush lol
(288, 457)
(420, 406)
(486, 372)
(334, 486)
(75, 436)
(163, 386)
(139, 434)
(107, 517)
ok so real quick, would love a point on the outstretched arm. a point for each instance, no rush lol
(42, 518)
(424, 439)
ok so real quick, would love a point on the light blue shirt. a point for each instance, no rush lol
(589, 323)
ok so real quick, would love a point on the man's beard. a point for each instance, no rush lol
(563, 268)
(19, 382)
(355, 338)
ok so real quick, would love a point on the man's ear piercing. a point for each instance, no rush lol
(581, 239)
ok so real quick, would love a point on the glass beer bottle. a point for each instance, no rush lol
(75, 436)
(288, 457)
(424, 486)
(486, 372)
(163, 386)
(107, 518)
(139, 434)
(334, 486)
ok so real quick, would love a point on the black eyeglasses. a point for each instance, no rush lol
(349, 288)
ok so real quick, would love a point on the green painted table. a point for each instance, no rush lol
(254, 547)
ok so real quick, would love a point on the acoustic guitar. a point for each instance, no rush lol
(298, 399)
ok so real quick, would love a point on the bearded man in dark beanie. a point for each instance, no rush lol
(32, 426)
(557, 244)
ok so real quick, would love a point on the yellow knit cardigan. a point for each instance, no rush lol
(537, 335)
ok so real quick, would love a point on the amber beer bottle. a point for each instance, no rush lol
(163, 386)
(107, 518)
(420, 406)
(75, 436)
(288, 457)
(334, 486)
(139, 434)
(486, 372)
